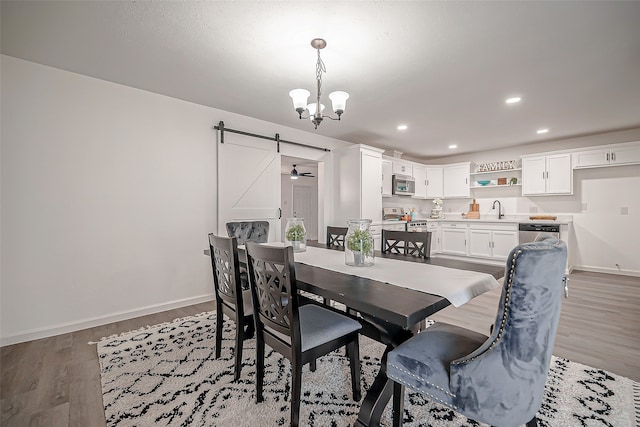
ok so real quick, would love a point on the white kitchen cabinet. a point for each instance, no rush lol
(456, 180)
(493, 241)
(387, 182)
(625, 154)
(434, 228)
(370, 197)
(434, 182)
(402, 168)
(547, 175)
(454, 238)
(360, 183)
(420, 177)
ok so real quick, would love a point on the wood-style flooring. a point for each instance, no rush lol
(56, 381)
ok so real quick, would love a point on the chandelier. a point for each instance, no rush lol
(299, 96)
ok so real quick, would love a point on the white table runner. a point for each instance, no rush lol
(458, 286)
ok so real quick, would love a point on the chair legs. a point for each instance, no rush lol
(259, 367)
(353, 351)
(296, 388)
(398, 404)
(219, 325)
(238, 349)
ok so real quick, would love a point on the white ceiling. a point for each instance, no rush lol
(442, 68)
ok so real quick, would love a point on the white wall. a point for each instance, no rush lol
(108, 193)
(603, 237)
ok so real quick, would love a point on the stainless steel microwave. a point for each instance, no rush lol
(403, 185)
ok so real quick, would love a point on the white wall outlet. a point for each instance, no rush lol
(583, 206)
(533, 209)
(624, 210)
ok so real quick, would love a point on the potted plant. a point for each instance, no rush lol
(359, 243)
(296, 234)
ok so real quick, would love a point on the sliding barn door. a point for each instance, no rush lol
(248, 182)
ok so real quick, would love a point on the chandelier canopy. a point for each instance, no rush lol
(300, 96)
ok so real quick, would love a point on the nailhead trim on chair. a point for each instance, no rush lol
(428, 394)
(504, 315)
(422, 380)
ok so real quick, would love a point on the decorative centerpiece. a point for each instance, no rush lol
(436, 212)
(295, 234)
(358, 248)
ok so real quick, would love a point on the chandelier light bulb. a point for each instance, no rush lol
(339, 101)
(299, 98)
(312, 110)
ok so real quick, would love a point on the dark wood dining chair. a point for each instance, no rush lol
(413, 243)
(336, 236)
(230, 298)
(299, 333)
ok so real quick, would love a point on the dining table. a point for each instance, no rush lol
(388, 312)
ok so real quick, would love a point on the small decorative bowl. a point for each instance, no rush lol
(484, 182)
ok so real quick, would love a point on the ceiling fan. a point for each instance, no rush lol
(295, 174)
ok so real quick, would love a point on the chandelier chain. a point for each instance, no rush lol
(320, 68)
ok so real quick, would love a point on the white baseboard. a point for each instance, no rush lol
(633, 273)
(64, 328)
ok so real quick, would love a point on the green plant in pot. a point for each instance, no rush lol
(359, 244)
(296, 234)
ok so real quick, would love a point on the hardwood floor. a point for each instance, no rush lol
(56, 381)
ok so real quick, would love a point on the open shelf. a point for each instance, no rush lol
(496, 185)
(505, 171)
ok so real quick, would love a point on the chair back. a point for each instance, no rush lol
(336, 236)
(274, 292)
(511, 366)
(226, 271)
(413, 243)
(249, 231)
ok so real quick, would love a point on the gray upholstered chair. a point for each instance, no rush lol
(248, 231)
(497, 380)
(299, 333)
(252, 231)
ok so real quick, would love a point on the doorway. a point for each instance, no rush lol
(299, 197)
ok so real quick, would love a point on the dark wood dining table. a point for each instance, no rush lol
(387, 312)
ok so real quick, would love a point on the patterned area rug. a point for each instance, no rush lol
(167, 375)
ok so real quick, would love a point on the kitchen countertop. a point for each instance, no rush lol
(509, 219)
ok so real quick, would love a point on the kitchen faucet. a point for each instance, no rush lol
(500, 214)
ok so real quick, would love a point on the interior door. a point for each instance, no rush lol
(304, 207)
(248, 182)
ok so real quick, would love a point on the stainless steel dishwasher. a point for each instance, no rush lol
(528, 232)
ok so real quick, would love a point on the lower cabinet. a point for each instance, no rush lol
(493, 241)
(436, 245)
(453, 238)
(481, 240)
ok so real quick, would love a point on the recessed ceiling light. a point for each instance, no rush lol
(402, 127)
(452, 146)
(542, 131)
(513, 100)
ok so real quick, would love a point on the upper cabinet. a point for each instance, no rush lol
(546, 175)
(420, 176)
(456, 180)
(435, 183)
(624, 154)
(402, 168)
(387, 182)
(359, 184)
